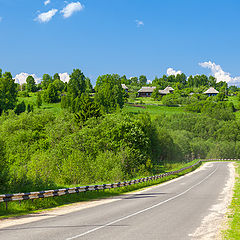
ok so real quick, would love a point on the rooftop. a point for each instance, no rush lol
(211, 90)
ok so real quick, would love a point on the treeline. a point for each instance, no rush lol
(76, 95)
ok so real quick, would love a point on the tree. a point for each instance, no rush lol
(89, 87)
(50, 95)
(59, 85)
(76, 84)
(21, 107)
(156, 94)
(56, 76)
(134, 80)
(109, 92)
(87, 109)
(39, 100)
(142, 80)
(8, 92)
(31, 85)
(46, 80)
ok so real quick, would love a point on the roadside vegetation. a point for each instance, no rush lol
(55, 134)
(234, 217)
(38, 205)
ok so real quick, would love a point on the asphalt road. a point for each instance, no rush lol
(168, 211)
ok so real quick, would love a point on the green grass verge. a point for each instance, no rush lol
(234, 217)
(38, 205)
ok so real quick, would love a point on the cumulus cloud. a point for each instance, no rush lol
(139, 23)
(46, 16)
(72, 8)
(219, 74)
(64, 77)
(171, 71)
(47, 2)
(21, 78)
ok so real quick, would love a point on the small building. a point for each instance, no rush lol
(211, 92)
(146, 91)
(169, 89)
(125, 87)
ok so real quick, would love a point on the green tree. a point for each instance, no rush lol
(46, 80)
(76, 84)
(59, 85)
(56, 76)
(8, 92)
(109, 92)
(89, 87)
(134, 80)
(39, 100)
(31, 84)
(50, 95)
(87, 109)
(142, 80)
(156, 94)
(20, 108)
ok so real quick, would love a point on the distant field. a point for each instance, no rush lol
(53, 107)
(153, 110)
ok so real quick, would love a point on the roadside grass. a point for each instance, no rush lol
(233, 231)
(38, 205)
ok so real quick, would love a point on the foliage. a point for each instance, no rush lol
(50, 95)
(46, 80)
(39, 100)
(31, 85)
(87, 109)
(20, 108)
(109, 92)
(8, 92)
(76, 85)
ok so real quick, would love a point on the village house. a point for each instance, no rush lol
(211, 92)
(147, 91)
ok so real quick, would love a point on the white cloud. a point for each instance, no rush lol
(47, 2)
(72, 8)
(21, 78)
(219, 74)
(64, 77)
(46, 16)
(139, 23)
(171, 71)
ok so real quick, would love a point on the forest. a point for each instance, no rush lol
(55, 134)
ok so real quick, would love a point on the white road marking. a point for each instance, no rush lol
(141, 211)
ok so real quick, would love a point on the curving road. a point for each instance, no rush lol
(176, 210)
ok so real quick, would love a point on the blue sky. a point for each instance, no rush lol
(131, 37)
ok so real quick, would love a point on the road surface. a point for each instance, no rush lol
(175, 210)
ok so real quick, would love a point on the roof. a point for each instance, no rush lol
(211, 90)
(124, 86)
(168, 88)
(147, 89)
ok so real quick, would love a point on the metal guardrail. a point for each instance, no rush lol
(60, 192)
